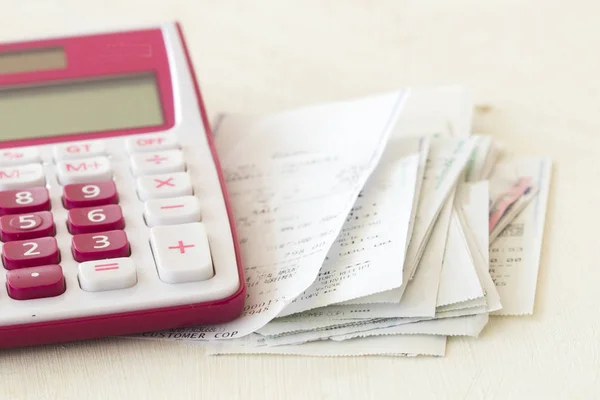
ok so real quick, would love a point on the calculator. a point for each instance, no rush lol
(114, 214)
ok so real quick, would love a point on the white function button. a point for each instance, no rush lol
(157, 162)
(107, 274)
(164, 186)
(75, 150)
(22, 176)
(182, 253)
(153, 142)
(19, 156)
(173, 211)
(82, 171)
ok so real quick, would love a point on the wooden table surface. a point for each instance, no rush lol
(534, 69)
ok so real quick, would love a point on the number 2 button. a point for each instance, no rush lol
(95, 219)
(30, 253)
(96, 246)
(24, 201)
(90, 194)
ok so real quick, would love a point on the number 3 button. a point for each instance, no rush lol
(96, 246)
(95, 219)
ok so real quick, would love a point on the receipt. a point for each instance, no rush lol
(475, 165)
(459, 281)
(400, 345)
(515, 254)
(292, 179)
(368, 255)
(470, 325)
(472, 210)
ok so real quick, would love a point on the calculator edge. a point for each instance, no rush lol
(136, 322)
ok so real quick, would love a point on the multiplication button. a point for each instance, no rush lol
(182, 253)
(164, 185)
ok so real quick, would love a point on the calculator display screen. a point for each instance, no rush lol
(80, 106)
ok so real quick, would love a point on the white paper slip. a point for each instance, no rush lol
(472, 210)
(470, 325)
(459, 281)
(515, 254)
(462, 312)
(292, 178)
(326, 333)
(475, 165)
(368, 255)
(420, 297)
(406, 345)
(461, 305)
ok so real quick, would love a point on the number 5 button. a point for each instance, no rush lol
(26, 226)
(181, 252)
(30, 253)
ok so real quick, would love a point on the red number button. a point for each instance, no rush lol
(95, 219)
(24, 201)
(26, 226)
(30, 253)
(96, 246)
(90, 194)
(35, 282)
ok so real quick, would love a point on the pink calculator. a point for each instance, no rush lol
(114, 217)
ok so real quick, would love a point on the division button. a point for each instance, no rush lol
(181, 252)
(157, 162)
(108, 274)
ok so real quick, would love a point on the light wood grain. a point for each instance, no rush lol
(535, 69)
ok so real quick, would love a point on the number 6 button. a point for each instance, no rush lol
(95, 219)
(96, 246)
(30, 253)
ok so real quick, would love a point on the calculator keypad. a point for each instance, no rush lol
(164, 185)
(30, 253)
(35, 282)
(22, 177)
(24, 201)
(26, 226)
(107, 274)
(95, 219)
(172, 211)
(96, 246)
(87, 170)
(90, 194)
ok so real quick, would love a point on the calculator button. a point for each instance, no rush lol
(95, 219)
(90, 194)
(153, 142)
(71, 151)
(24, 200)
(96, 246)
(30, 253)
(23, 176)
(35, 282)
(157, 162)
(26, 226)
(173, 211)
(181, 252)
(164, 185)
(109, 274)
(19, 156)
(84, 171)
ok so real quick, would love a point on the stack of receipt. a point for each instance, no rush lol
(381, 225)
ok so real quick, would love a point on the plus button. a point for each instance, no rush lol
(181, 246)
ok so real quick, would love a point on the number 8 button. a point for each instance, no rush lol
(24, 201)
